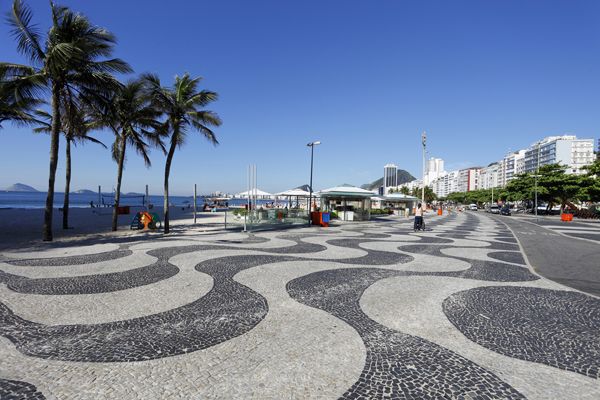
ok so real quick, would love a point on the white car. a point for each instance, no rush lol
(473, 207)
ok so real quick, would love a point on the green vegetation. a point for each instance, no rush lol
(240, 211)
(554, 187)
(383, 211)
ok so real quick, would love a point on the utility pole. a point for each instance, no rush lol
(424, 142)
(537, 174)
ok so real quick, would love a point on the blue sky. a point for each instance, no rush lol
(364, 77)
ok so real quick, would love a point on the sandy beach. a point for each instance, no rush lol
(23, 227)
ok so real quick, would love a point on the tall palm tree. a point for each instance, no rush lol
(129, 114)
(76, 126)
(69, 57)
(182, 106)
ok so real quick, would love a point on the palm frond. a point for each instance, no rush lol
(25, 33)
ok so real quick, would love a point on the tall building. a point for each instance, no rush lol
(434, 169)
(566, 150)
(468, 179)
(510, 166)
(390, 177)
(489, 176)
(446, 184)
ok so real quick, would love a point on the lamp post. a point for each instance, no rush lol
(312, 151)
(424, 142)
(536, 176)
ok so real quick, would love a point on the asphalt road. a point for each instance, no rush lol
(567, 260)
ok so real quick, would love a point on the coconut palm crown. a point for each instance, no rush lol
(182, 105)
(73, 57)
(130, 115)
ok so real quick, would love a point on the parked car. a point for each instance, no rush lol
(494, 209)
(473, 207)
(505, 210)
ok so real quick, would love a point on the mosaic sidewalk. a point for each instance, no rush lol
(359, 311)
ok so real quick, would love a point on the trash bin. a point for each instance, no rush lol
(320, 218)
(566, 217)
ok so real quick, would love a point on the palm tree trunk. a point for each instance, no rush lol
(167, 172)
(67, 185)
(54, 142)
(120, 164)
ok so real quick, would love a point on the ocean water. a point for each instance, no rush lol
(38, 200)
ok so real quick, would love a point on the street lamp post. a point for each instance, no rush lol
(424, 142)
(312, 151)
(536, 181)
(536, 176)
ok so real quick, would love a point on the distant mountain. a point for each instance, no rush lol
(20, 187)
(84, 191)
(403, 177)
(373, 185)
(306, 188)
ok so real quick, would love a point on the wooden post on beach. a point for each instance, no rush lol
(194, 203)
(99, 195)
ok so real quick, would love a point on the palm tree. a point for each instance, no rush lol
(67, 59)
(129, 114)
(182, 105)
(76, 126)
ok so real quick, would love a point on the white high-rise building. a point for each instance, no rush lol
(446, 184)
(489, 176)
(566, 150)
(509, 167)
(434, 169)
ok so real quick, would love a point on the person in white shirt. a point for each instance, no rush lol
(419, 217)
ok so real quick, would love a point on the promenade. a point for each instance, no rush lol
(364, 310)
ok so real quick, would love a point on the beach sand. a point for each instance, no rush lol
(22, 228)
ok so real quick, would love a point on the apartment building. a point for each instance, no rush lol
(566, 150)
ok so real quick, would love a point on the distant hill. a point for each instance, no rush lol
(403, 177)
(20, 187)
(373, 185)
(306, 188)
(85, 191)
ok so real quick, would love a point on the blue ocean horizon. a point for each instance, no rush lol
(32, 200)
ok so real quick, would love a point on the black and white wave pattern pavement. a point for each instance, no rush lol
(366, 310)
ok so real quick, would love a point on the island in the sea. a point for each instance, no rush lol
(20, 187)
